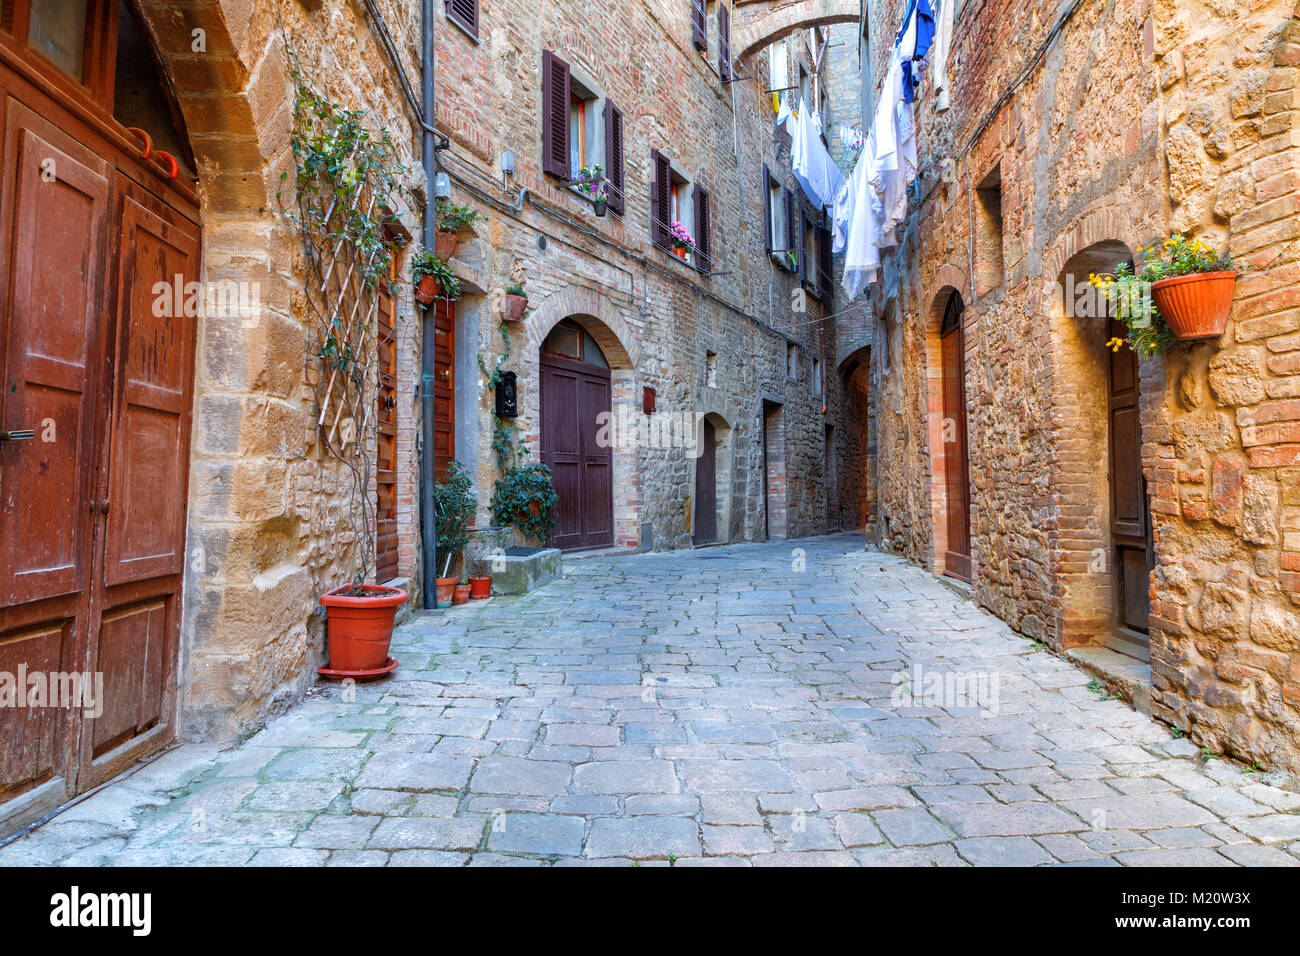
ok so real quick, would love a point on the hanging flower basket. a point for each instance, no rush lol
(1196, 306)
(515, 305)
(427, 289)
(444, 244)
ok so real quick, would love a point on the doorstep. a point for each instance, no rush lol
(1118, 672)
(600, 553)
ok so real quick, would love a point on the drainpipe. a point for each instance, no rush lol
(429, 158)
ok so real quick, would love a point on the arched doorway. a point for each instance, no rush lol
(1106, 552)
(956, 450)
(576, 405)
(99, 262)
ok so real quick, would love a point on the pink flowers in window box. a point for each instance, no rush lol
(681, 239)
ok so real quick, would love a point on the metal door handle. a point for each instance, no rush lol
(18, 434)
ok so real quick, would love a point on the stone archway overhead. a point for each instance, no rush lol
(758, 23)
(610, 330)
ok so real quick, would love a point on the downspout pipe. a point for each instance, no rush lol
(428, 368)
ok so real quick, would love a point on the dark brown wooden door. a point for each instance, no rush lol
(386, 451)
(92, 508)
(444, 387)
(956, 560)
(574, 395)
(1130, 520)
(706, 486)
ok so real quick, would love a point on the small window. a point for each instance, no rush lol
(817, 376)
(711, 369)
(58, 30)
(778, 70)
(989, 268)
(464, 13)
(791, 361)
(586, 136)
(776, 208)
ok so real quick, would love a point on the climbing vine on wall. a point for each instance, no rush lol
(348, 182)
(506, 444)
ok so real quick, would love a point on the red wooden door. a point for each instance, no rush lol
(573, 396)
(706, 486)
(386, 451)
(92, 507)
(444, 387)
(956, 560)
(1130, 520)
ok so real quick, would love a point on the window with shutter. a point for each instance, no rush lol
(703, 232)
(614, 156)
(555, 115)
(464, 13)
(825, 264)
(792, 220)
(699, 25)
(660, 199)
(724, 41)
(767, 208)
(806, 265)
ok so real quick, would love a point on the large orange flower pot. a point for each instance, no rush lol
(361, 628)
(444, 244)
(1196, 306)
(444, 591)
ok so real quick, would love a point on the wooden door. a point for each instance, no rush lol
(1130, 520)
(956, 561)
(386, 451)
(706, 486)
(573, 397)
(99, 366)
(444, 387)
(55, 207)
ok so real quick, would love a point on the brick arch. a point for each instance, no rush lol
(1091, 228)
(947, 280)
(759, 23)
(595, 312)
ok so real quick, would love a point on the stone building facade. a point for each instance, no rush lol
(729, 344)
(1079, 133)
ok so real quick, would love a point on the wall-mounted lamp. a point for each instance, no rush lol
(508, 162)
(442, 186)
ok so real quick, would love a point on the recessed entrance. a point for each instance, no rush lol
(575, 402)
(98, 367)
(956, 471)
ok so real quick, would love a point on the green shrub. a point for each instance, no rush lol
(525, 498)
(453, 502)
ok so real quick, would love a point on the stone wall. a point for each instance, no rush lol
(1141, 120)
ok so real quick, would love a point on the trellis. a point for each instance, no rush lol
(348, 183)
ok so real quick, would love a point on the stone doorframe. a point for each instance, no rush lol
(948, 279)
(1080, 595)
(604, 320)
(724, 456)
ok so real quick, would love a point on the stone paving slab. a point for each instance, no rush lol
(707, 708)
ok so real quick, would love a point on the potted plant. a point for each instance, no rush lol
(524, 498)
(1182, 292)
(345, 176)
(592, 185)
(683, 241)
(480, 587)
(453, 502)
(432, 276)
(449, 220)
(461, 594)
(515, 303)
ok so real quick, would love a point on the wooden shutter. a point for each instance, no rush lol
(555, 115)
(699, 25)
(805, 267)
(724, 41)
(465, 13)
(703, 229)
(660, 198)
(825, 264)
(614, 156)
(386, 563)
(767, 208)
(792, 219)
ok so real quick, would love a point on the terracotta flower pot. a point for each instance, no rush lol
(679, 252)
(461, 594)
(361, 628)
(480, 588)
(426, 290)
(514, 307)
(444, 244)
(1196, 306)
(445, 591)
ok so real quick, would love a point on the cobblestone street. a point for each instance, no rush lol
(720, 706)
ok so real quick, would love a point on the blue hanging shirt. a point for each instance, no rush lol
(914, 41)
